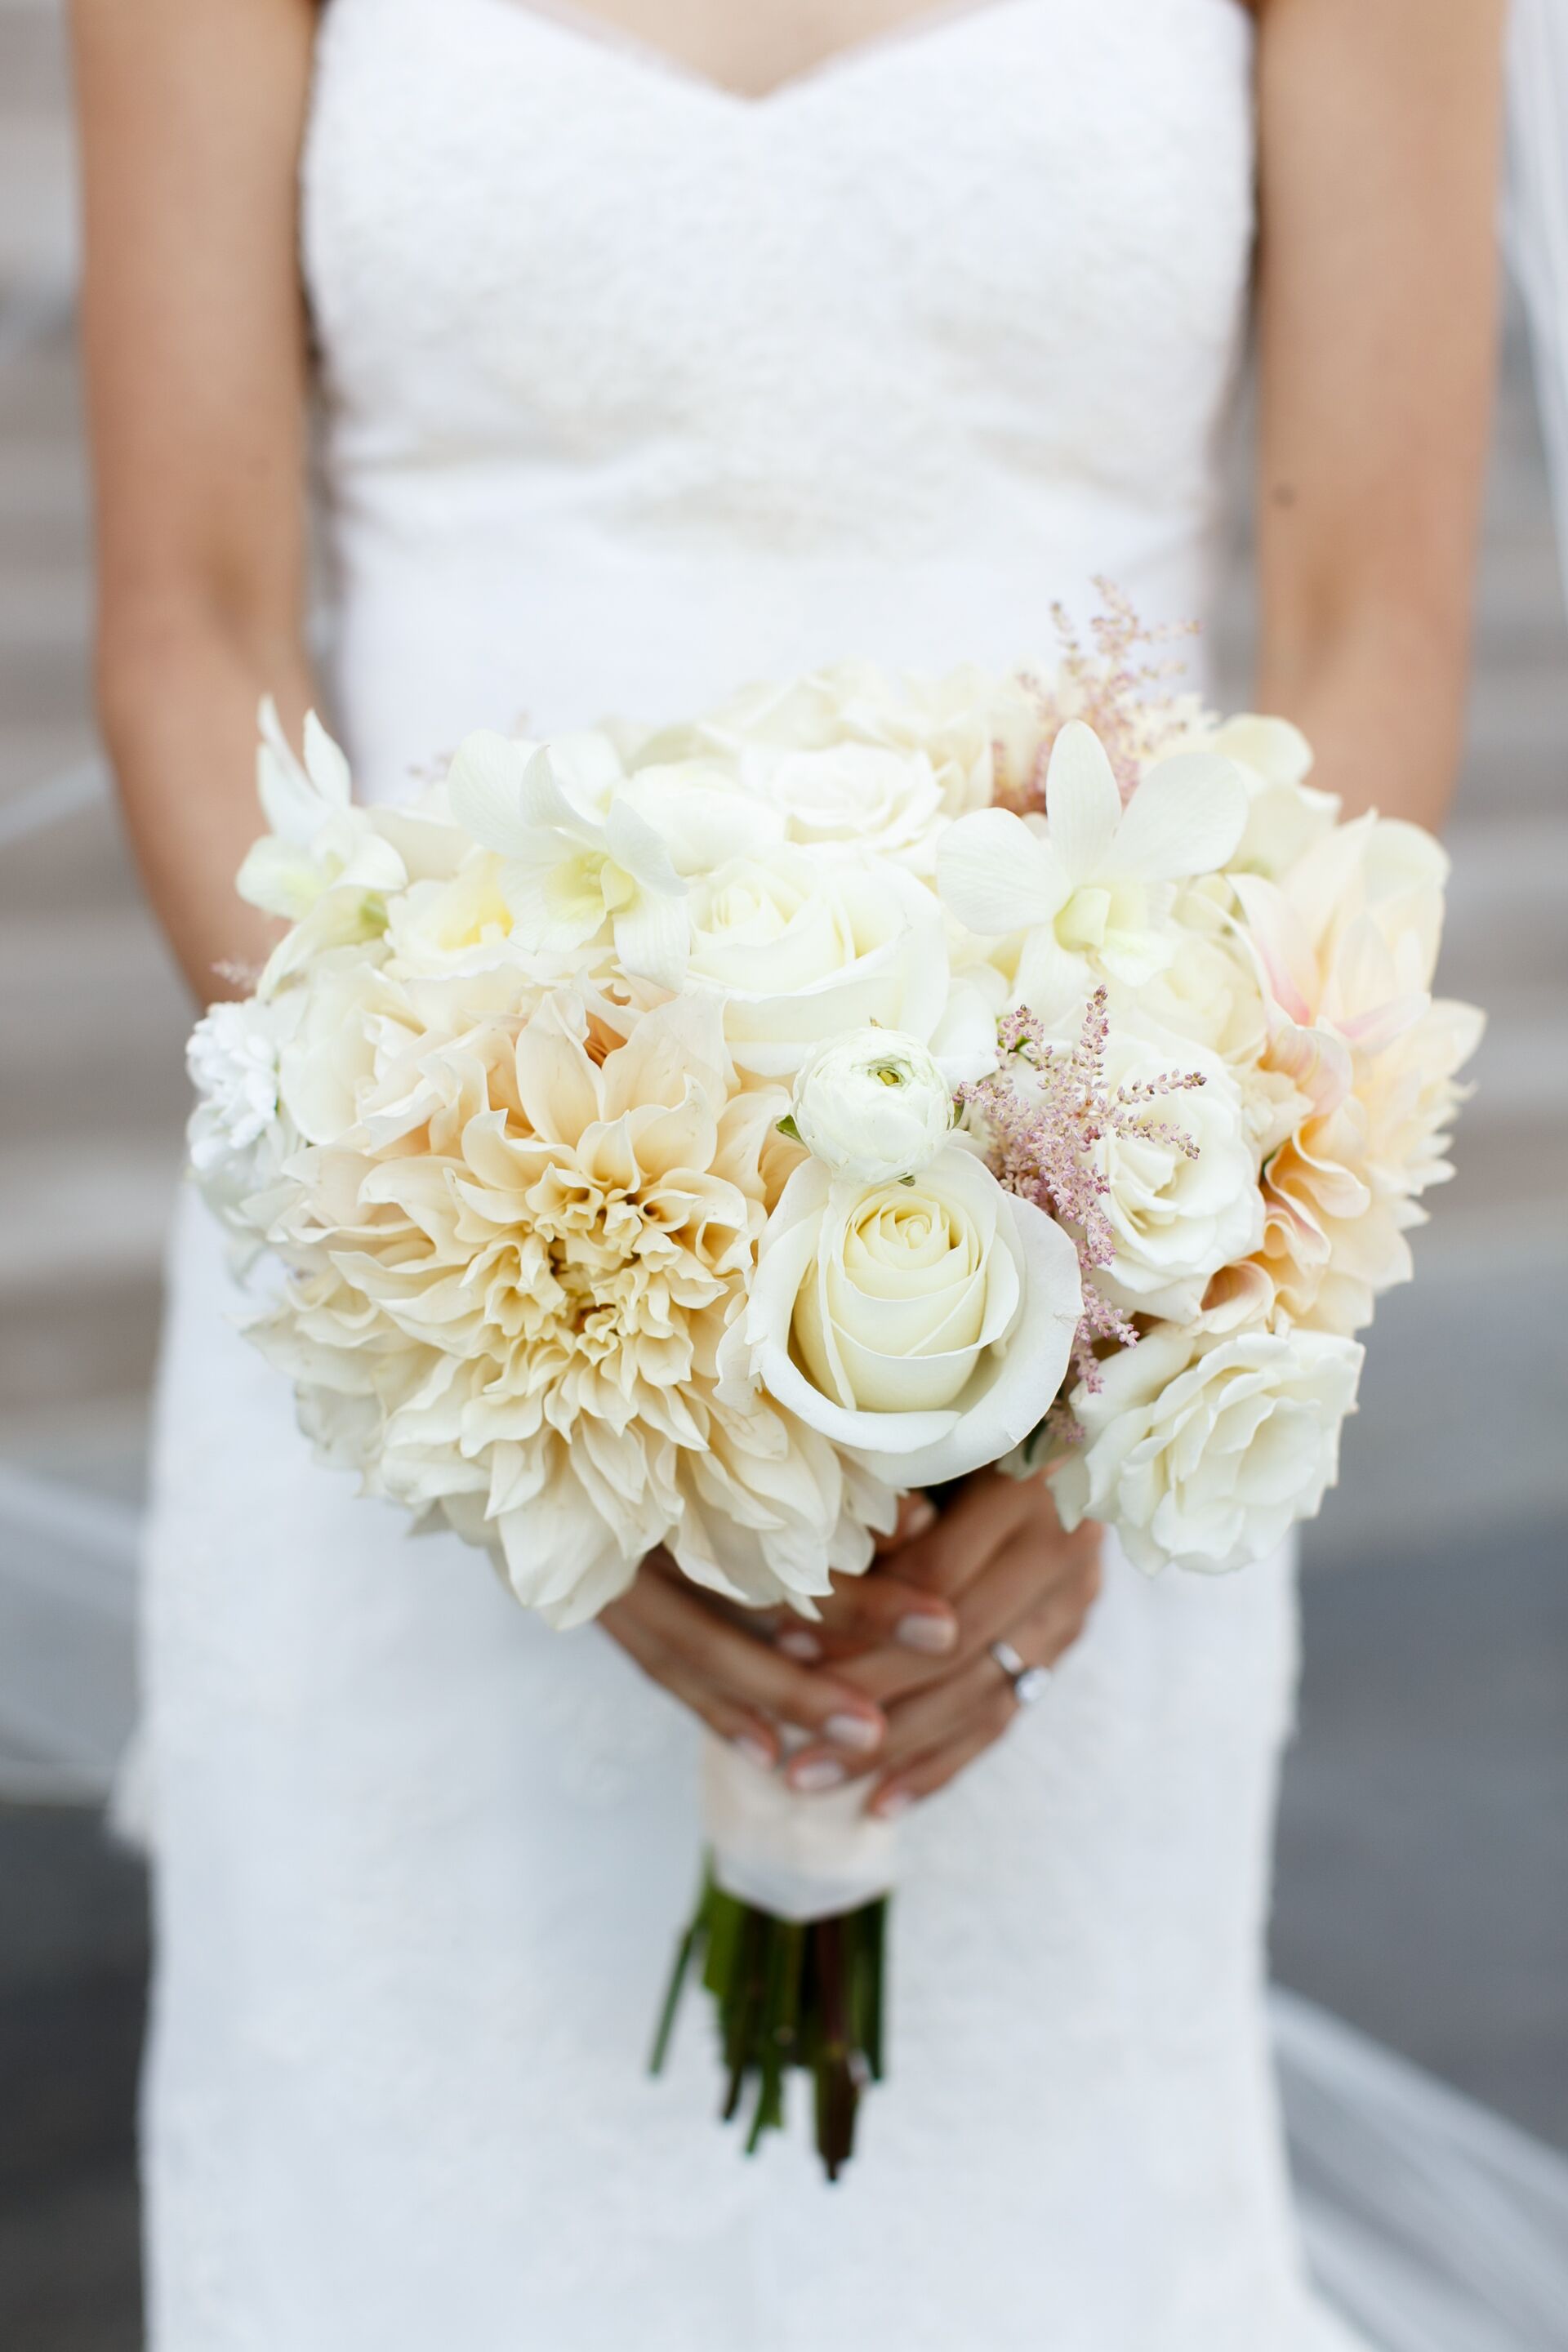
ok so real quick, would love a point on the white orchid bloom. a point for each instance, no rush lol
(1091, 888)
(322, 867)
(318, 840)
(571, 872)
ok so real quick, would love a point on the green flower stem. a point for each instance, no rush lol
(788, 1994)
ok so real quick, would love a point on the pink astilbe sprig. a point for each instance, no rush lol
(1041, 1132)
(1113, 686)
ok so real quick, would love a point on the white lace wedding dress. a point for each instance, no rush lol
(636, 390)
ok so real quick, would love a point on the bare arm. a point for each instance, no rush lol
(1378, 125)
(194, 336)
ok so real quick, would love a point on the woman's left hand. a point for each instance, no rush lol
(1001, 1558)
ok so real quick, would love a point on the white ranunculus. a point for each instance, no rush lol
(1175, 1220)
(801, 945)
(924, 1327)
(872, 1106)
(1204, 1452)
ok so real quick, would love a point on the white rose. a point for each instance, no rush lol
(885, 800)
(1176, 1220)
(872, 1106)
(1285, 815)
(703, 813)
(802, 945)
(1207, 1452)
(924, 1327)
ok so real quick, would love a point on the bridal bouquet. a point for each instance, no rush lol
(702, 1137)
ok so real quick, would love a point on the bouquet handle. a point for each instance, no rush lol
(791, 1932)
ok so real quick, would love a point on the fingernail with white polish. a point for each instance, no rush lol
(812, 1777)
(896, 1801)
(919, 1513)
(853, 1731)
(923, 1631)
(754, 1752)
(798, 1644)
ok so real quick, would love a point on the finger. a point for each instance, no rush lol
(1042, 1630)
(869, 1613)
(981, 1516)
(1039, 1560)
(749, 1733)
(1034, 1569)
(938, 1766)
(751, 1673)
(1041, 1637)
(917, 1513)
(914, 1724)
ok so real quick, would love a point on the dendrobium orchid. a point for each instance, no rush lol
(572, 873)
(1090, 888)
(322, 866)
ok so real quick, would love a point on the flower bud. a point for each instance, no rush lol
(872, 1106)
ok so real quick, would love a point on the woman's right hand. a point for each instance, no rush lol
(734, 1669)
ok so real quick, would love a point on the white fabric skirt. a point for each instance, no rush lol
(420, 1863)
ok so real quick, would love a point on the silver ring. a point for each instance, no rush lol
(1028, 1682)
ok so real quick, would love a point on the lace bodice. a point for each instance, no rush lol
(637, 389)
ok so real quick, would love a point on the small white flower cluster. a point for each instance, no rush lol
(599, 1107)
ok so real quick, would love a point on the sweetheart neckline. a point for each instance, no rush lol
(926, 28)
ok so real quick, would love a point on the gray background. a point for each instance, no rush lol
(1423, 1858)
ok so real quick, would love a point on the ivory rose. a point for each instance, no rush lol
(924, 1327)
(1182, 1196)
(884, 801)
(1286, 816)
(800, 946)
(1204, 1453)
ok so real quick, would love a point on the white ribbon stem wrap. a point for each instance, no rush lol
(802, 1858)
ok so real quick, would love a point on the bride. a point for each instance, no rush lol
(658, 345)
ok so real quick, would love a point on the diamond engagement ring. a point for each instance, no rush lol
(1028, 1682)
